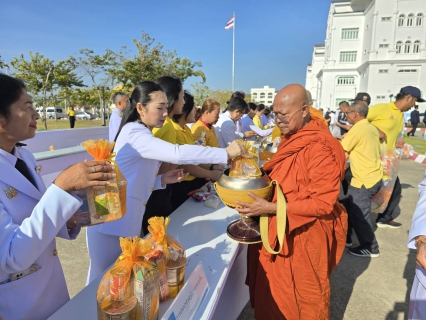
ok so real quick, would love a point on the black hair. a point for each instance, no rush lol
(267, 112)
(237, 104)
(252, 106)
(260, 107)
(172, 86)
(187, 107)
(237, 94)
(416, 106)
(347, 103)
(401, 95)
(141, 94)
(10, 92)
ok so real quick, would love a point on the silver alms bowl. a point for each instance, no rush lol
(225, 181)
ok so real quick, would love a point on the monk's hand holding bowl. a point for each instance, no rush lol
(85, 174)
(259, 207)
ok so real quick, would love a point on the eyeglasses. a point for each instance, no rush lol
(286, 118)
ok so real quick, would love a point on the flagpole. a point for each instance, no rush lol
(233, 53)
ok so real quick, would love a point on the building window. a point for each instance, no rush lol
(383, 45)
(401, 19)
(350, 33)
(416, 47)
(262, 95)
(255, 94)
(383, 71)
(407, 47)
(380, 97)
(269, 95)
(407, 70)
(399, 47)
(410, 20)
(345, 80)
(419, 20)
(348, 56)
(386, 18)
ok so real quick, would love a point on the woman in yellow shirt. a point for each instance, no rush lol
(256, 119)
(209, 115)
(71, 116)
(198, 174)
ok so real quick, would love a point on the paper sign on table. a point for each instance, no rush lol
(190, 297)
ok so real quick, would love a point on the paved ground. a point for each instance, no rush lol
(361, 288)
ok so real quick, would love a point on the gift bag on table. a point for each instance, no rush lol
(175, 255)
(102, 203)
(130, 290)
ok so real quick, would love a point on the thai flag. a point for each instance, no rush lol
(230, 24)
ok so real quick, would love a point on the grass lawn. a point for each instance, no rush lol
(418, 143)
(65, 124)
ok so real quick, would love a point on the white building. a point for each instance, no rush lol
(263, 95)
(373, 46)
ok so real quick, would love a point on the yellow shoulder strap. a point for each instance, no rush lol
(281, 222)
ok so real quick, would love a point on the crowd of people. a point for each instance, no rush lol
(165, 147)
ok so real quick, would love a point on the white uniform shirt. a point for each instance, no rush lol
(226, 130)
(248, 125)
(114, 123)
(139, 156)
(29, 223)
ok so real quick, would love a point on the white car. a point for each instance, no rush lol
(50, 113)
(84, 116)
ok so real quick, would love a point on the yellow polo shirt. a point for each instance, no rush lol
(257, 122)
(389, 119)
(363, 145)
(71, 113)
(211, 140)
(183, 136)
(167, 132)
(276, 132)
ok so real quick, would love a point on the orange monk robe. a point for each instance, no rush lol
(309, 166)
(315, 114)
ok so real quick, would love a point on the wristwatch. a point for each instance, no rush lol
(211, 167)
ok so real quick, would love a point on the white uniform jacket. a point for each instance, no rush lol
(29, 222)
(226, 130)
(139, 155)
(114, 123)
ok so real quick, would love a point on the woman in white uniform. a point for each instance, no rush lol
(226, 128)
(139, 156)
(32, 284)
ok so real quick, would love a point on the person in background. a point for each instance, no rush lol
(309, 167)
(226, 129)
(342, 121)
(197, 115)
(139, 155)
(248, 124)
(263, 118)
(209, 115)
(388, 118)
(198, 175)
(327, 117)
(362, 146)
(267, 114)
(31, 216)
(71, 117)
(415, 120)
(242, 95)
(121, 101)
(417, 240)
(257, 118)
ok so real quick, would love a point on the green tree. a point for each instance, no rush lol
(41, 76)
(151, 62)
(200, 92)
(2, 64)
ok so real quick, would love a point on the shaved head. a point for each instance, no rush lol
(291, 105)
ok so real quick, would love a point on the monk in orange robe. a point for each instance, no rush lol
(309, 167)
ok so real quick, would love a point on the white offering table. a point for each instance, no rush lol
(202, 232)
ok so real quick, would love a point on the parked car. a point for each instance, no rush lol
(50, 113)
(85, 115)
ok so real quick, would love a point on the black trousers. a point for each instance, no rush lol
(158, 205)
(72, 121)
(359, 213)
(392, 210)
(180, 190)
(413, 130)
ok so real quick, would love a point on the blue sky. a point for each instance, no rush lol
(274, 38)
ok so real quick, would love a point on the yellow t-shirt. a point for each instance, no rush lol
(167, 132)
(71, 113)
(257, 122)
(389, 119)
(211, 140)
(183, 136)
(363, 145)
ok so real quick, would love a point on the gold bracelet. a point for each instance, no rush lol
(419, 239)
